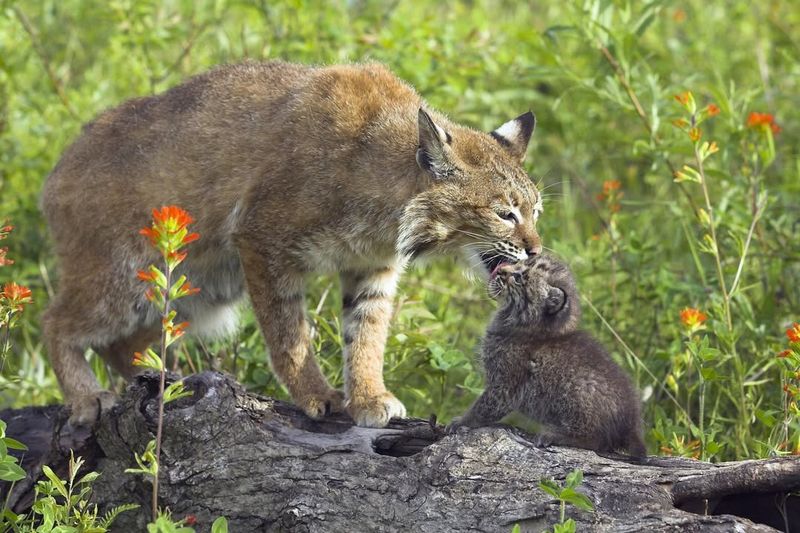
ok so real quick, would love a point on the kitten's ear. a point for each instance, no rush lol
(515, 135)
(433, 142)
(556, 301)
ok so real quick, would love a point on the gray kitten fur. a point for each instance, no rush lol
(538, 363)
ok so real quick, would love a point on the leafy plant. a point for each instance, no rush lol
(567, 494)
(168, 234)
(62, 505)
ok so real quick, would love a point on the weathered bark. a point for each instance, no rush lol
(267, 467)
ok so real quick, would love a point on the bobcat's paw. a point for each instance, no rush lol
(375, 411)
(86, 409)
(325, 403)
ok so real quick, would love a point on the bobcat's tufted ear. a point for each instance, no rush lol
(433, 142)
(515, 135)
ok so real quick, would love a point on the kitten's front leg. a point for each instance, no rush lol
(367, 306)
(492, 405)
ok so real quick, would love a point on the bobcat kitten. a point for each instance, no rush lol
(537, 362)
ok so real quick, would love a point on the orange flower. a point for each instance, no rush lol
(176, 257)
(712, 110)
(152, 234)
(763, 120)
(681, 123)
(695, 134)
(187, 290)
(190, 237)
(794, 332)
(16, 293)
(684, 97)
(3, 259)
(5, 230)
(679, 15)
(611, 185)
(172, 216)
(784, 354)
(146, 276)
(692, 317)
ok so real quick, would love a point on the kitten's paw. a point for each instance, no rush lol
(86, 409)
(322, 404)
(375, 411)
(543, 440)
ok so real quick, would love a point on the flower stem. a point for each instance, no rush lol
(726, 299)
(161, 386)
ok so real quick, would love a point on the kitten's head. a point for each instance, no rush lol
(537, 295)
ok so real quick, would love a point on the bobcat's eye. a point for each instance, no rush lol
(508, 216)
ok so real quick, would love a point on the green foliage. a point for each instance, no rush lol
(567, 494)
(600, 75)
(9, 469)
(63, 505)
(147, 462)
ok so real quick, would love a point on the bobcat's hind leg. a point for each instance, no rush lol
(279, 304)
(367, 305)
(82, 392)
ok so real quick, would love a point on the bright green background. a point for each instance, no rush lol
(483, 62)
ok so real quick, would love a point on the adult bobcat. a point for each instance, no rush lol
(288, 170)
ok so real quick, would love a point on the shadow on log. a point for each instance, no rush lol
(267, 467)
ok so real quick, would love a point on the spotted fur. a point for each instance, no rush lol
(289, 170)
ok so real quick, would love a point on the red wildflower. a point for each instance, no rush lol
(712, 110)
(190, 520)
(5, 230)
(763, 120)
(681, 123)
(3, 259)
(692, 317)
(684, 97)
(146, 275)
(187, 290)
(784, 354)
(16, 293)
(794, 332)
(611, 185)
(173, 217)
(176, 257)
(190, 237)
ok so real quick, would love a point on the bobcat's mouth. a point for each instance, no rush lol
(493, 261)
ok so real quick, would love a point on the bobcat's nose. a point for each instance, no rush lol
(533, 246)
(533, 249)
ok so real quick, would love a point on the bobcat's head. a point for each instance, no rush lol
(480, 201)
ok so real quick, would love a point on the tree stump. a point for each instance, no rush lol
(265, 466)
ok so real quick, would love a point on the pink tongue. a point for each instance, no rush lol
(496, 269)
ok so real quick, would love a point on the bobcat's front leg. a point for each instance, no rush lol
(278, 298)
(367, 306)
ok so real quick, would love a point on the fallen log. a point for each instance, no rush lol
(267, 467)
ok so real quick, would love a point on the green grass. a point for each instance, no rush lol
(584, 68)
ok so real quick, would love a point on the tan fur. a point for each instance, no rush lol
(288, 170)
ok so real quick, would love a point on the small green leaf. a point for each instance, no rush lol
(57, 483)
(220, 525)
(550, 487)
(574, 478)
(14, 444)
